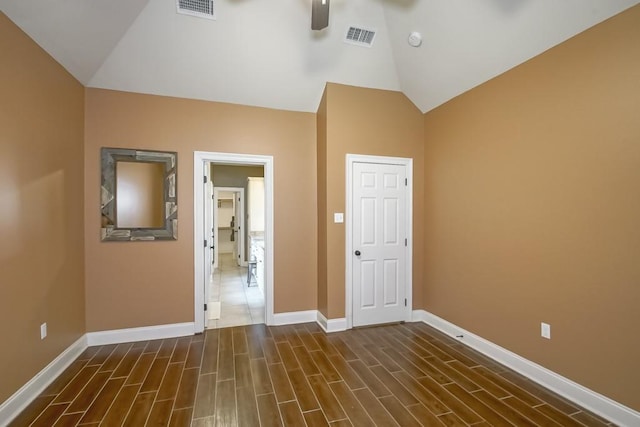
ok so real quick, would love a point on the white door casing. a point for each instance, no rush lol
(200, 159)
(379, 206)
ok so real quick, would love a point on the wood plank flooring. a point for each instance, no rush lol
(398, 375)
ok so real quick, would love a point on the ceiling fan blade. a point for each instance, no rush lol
(319, 14)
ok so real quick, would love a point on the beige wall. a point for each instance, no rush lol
(136, 284)
(374, 122)
(41, 202)
(321, 118)
(532, 188)
(234, 176)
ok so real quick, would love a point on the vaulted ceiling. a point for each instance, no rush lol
(263, 52)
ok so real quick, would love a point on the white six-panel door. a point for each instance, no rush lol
(379, 244)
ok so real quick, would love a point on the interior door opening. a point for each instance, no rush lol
(235, 290)
(227, 279)
(228, 228)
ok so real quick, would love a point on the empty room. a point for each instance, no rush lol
(445, 234)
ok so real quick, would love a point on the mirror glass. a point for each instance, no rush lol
(138, 195)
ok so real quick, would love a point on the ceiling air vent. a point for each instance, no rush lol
(360, 36)
(199, 8)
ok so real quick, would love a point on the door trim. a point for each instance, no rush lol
(360, 158)
(199, 159)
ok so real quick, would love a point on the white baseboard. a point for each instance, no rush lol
(291, 318)
(331, 325)
(294, 317)
(12, 407)
(146, 333)
(589, 399)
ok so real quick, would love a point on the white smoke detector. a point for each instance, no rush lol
(415, 39)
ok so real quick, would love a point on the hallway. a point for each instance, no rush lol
(231, 298)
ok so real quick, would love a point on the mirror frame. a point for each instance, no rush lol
(109, 157)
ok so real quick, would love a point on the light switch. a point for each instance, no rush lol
(338, 217)
(545, 330)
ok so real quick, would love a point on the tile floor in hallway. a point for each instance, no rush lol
(239, 303)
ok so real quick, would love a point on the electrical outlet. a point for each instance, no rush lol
(43, 331)
(545, 330)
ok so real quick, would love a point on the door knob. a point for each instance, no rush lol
(357, 253)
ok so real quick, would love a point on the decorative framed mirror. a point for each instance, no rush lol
(139, 198)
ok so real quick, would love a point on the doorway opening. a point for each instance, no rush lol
(234, 266)
(233, 296)
(227, 216)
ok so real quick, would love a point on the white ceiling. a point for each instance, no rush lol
(263, 52)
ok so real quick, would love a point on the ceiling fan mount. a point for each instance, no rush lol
(319, 14)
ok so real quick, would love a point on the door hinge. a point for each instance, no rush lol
(405, 302)
(205, 179)
(205, 243)
(205, 307)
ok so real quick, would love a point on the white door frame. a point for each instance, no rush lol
(241, 235)
(359, 158)
(199, 160)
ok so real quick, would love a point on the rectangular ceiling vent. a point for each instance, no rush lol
(360, 36)
(199, 8)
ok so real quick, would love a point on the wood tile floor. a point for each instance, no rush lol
(400, 375)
